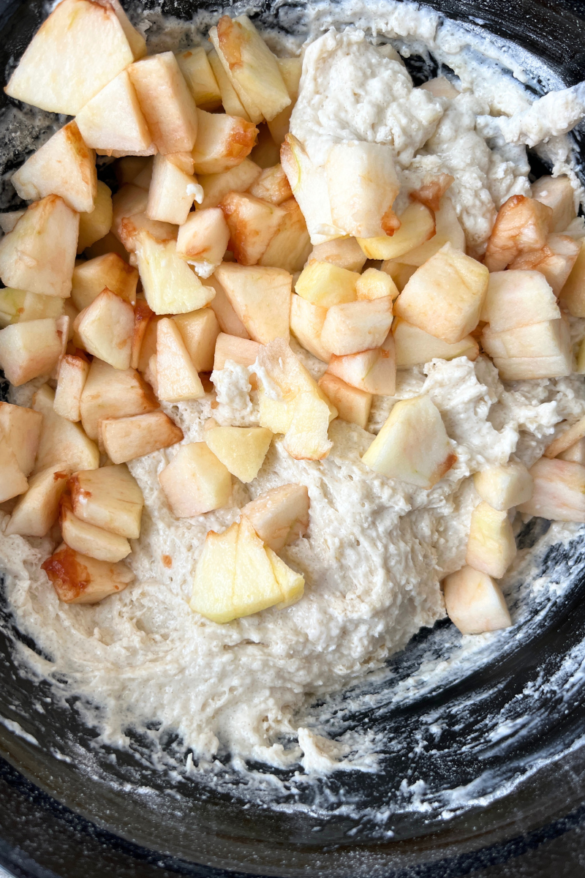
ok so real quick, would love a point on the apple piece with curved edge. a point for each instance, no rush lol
(474, 602)
(113, 123)
(195, 481)
(229, 97)
(18, 306)
(504, 486)
(309, 186)
(12, 479)
(37, 511)
(567, 438)
(307, 436)
(491, 546)
(79, 579)
(291, 245)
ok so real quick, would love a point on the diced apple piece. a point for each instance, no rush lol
(398, 271)
(203, 240)
(306, 437)
(166, 102)
(546, 339)
(474, 602)
(281, 367)
(566, 439)
(94, 226)
(260, 297)
(90, 540)
(280, 516)
(291, 245)
(200, 78)
(440, 87)
(251, 66)
(236, 179)
(272, 185)
(576, 453)
(448, 229)
(125, 439)
(39, 254)
(18, 306)
(504, 486)
(525, 368)
(522, 224)
(142, 320)
(444, 297)
(415, 347)
(21, 431)
(274, 414)
(109, 270)
(113, 393)
(229, 97)
(291, 583)
(309, 187)
(199, 331)
(352, 405)
(306, 323)
(362, 186)
(345, 252)
(113, 123)
(29, 350)
(555, 261)
(37, 511)
(62, 442)
(357, 326)
(177, 378)
(79, 579)
(559, 491)
(371, 371)
(491, 547)
(109, 498)
(290, 70)
(573, 292)
(106, 328)
(222, 142)
(241, 449)
(228, 320)
(62, 166)
(413, 445)
(237, 350)
(518, 298)
(12, 479)
(171, 193)
(375, 284)
(135, 39)
(170, 286)
(129, 218)
(558, 194)
(73, 373)
(85, 35)
(417, 225)
(9, 219)
(252, 224)
(326, 284)
(195, 481)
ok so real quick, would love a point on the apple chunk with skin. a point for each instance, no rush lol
(444, 297)
(326, 284)
(95, 225)
(166, 102)
(243, 351)
(280, 516)
(558, 194)
(200, 78)
(203, 239)
(414, 346)
(413, 445)
(195, 481)
(417, 225)
(12, 479)
(559, 491)
(172, 192)
(170, 286)
(79, 579)
(504, 486)
(474, 602)
(39, 254)
(106, 328)
(491, 547)
(62, 442)
(352, 405)
(63, 166)
(357, 326)
(29, 350)
(522, 224)
(113, 123)
(260, 297)
(109, 270)
(125, 439)
(37, 511)
(21, 431)
(73, 373)
(113, 393)
(177, 378)
(108, 498)
(89, 539)
(241, 449)
(372, 371)
(222, 142)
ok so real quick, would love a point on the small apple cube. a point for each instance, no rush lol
(37, 511)
(306, 323)
(559, 491)
(375, 284)
(200, 78)
(171, 193)
(241, 449)
(79, 579)
(274, 414)
(170, 286)
(237, 179)
(448, 230)
(344, 252)
(444, 297)
(95, 225)
(62, 166)
(260, 297)
(272, 185)
(504, 486)
(109, 270)
(142, 320)
(39, 254)
(18, 306)
(290, 247)
(252, 224)
(540, 340)
(417, 225)
(29, 350)
(229, 98)
(177, 378)
(326, 284)
(555, 261)
(398, 271)
(573, 293)
(125, 439)
(474, 602)
(62, 442)
(307, 436)
(414, 346)
(222, 142)
(280, 516)
(352, 405)
(518, 298)
(113, 123)
(89, 539)
(558, 194)
(231, 348)
(203, 239)
(413, 445)
(12, 479)
(371, 371)
(108, 498)
(21, 431)
(166, 102)
(130, 220)
(195, 481)
(431, 192)
(522, 224)
(228, 320)
(309, 186)
(491, 547)
(199, 331)
(357, 326)
(106, 328)
(576, 453)
(113, 393)
(73, 373)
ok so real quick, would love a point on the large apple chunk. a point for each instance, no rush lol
(73, 373)
(170, 286)
(280, 516)
(195, 481)
(559, 491)
(326, 284)
(491, 547)
(37, 511)
(199, 331)
(522, 224)
(474, 602)
(413, 445)
(62, 166)
(417, 225)
(199, 76)
(109, 270)
(558, 194)
(21, 431)
(29, 350)
(62, 442)
(237, 179)
(108, 498)
(357, 326)
(106, 328)
(39, 254)
(414, 346)
(113, 123)
(260, 297)
(372, 371)
(352, 405)
(172, 192)
(504, 486)
(79, 579)
(203, 239)
(177, 378)
(125, 439)
(444, 297)
(517, 298)
(222, 142)
(166, 102)
(90, 540)
(113, 393)
(89, 39)
(241, 449)
(252, 224)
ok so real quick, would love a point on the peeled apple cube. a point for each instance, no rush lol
(177, 378)
(414, 346)
(260, 297)
(559, 491)
(73, 373)
(93, 276)
(37, 511)
(522, 224)
(558, 194)
(375, 284)
(129, 219)
(62, 442)
(357, 326)
(95, 225)
(448, 230)
(504, 486)
(29, 350)
(444, 297)
(372, 371)
(231, 348)
(306, 438)
(106, 328)
(555, 261)
(18, 306)
(252, 223)
(228, 320)
(199, 76)
(195, 481)
(417, 225)
(223, 141)
(203, 239)
(413, 445)
(170, 286)
(113, 393)
(241, 449)
(352, 405)
(544, 339)
(280, 516)
(21, 431)
(79, 579)
(345, 252)
(518, 298)
(474, 602)
(326, 284)
(239, 178)
(399, 271)
(491, 547)
(199, 331)
(171, 193)
(125, 439)
(108, 498)
(112, 121)
(89, 539)
(291, 245)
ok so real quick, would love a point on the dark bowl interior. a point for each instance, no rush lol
(74, 810)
